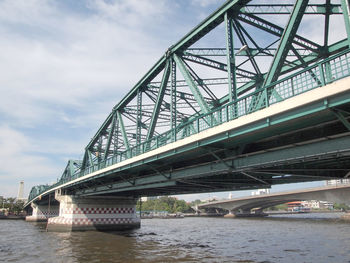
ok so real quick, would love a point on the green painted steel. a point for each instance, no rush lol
(159, 101)
(190, 82)
(231, 67)
(342, 118)
(122, 128)
(273, 9)
(345, 7)
(110, 136)
(193, 88)
(286, 41)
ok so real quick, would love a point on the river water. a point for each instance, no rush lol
(298, 238)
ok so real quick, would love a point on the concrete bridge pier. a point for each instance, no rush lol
(104, 213)
(41, 213)
(260, 212)
(230, 214)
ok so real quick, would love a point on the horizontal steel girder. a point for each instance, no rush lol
(322, 150)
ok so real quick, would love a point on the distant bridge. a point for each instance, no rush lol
(245, 205)
(268, 104)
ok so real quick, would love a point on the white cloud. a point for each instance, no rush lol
(62, 72)
(19, 161)
(132, 12)
(74, 60)
(205, 3)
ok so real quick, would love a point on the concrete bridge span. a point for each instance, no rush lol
(244, 205)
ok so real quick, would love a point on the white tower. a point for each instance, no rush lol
(20, 191)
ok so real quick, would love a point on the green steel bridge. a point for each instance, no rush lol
(255, 95)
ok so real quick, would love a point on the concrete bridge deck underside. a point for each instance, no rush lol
(336, 194)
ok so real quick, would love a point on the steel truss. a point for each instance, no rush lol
(257, 46)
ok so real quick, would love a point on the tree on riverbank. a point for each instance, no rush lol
(12, 205)
(342, 207)
(165, 203)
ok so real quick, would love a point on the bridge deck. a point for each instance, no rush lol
(336, 193)
(208, 146)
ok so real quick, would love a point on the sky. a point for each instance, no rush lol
(65, 64)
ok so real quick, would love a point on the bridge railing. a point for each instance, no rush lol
(317, 75)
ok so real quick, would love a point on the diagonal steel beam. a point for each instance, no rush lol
(159, 101)
(85, 159)
(345, 6)
(208, 24)
(313, 75)
(71, 167)
(158, 172)
(100, 131)
(192, 85)
(239, 30)
(276, 30)
(122, 129)
(286, 41)
(217, 65)
(341, 117)
(197, 33)
(255, 178)
(110, 135)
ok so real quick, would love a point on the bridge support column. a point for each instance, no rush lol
(41, 213)
(230, 214)
(94, 213)
(260, 212)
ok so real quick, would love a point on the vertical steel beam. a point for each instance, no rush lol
(116, 136)
(159, 101)
(139, 116)
(230, 55)
(173, 94)
(71, 168)
(99, 148)
(122, 129)
(286, 41)
(326, 22)
(346, 10)
(192, 85)
(83, 164)
(90, 157)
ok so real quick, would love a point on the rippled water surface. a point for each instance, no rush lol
(301, 238)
